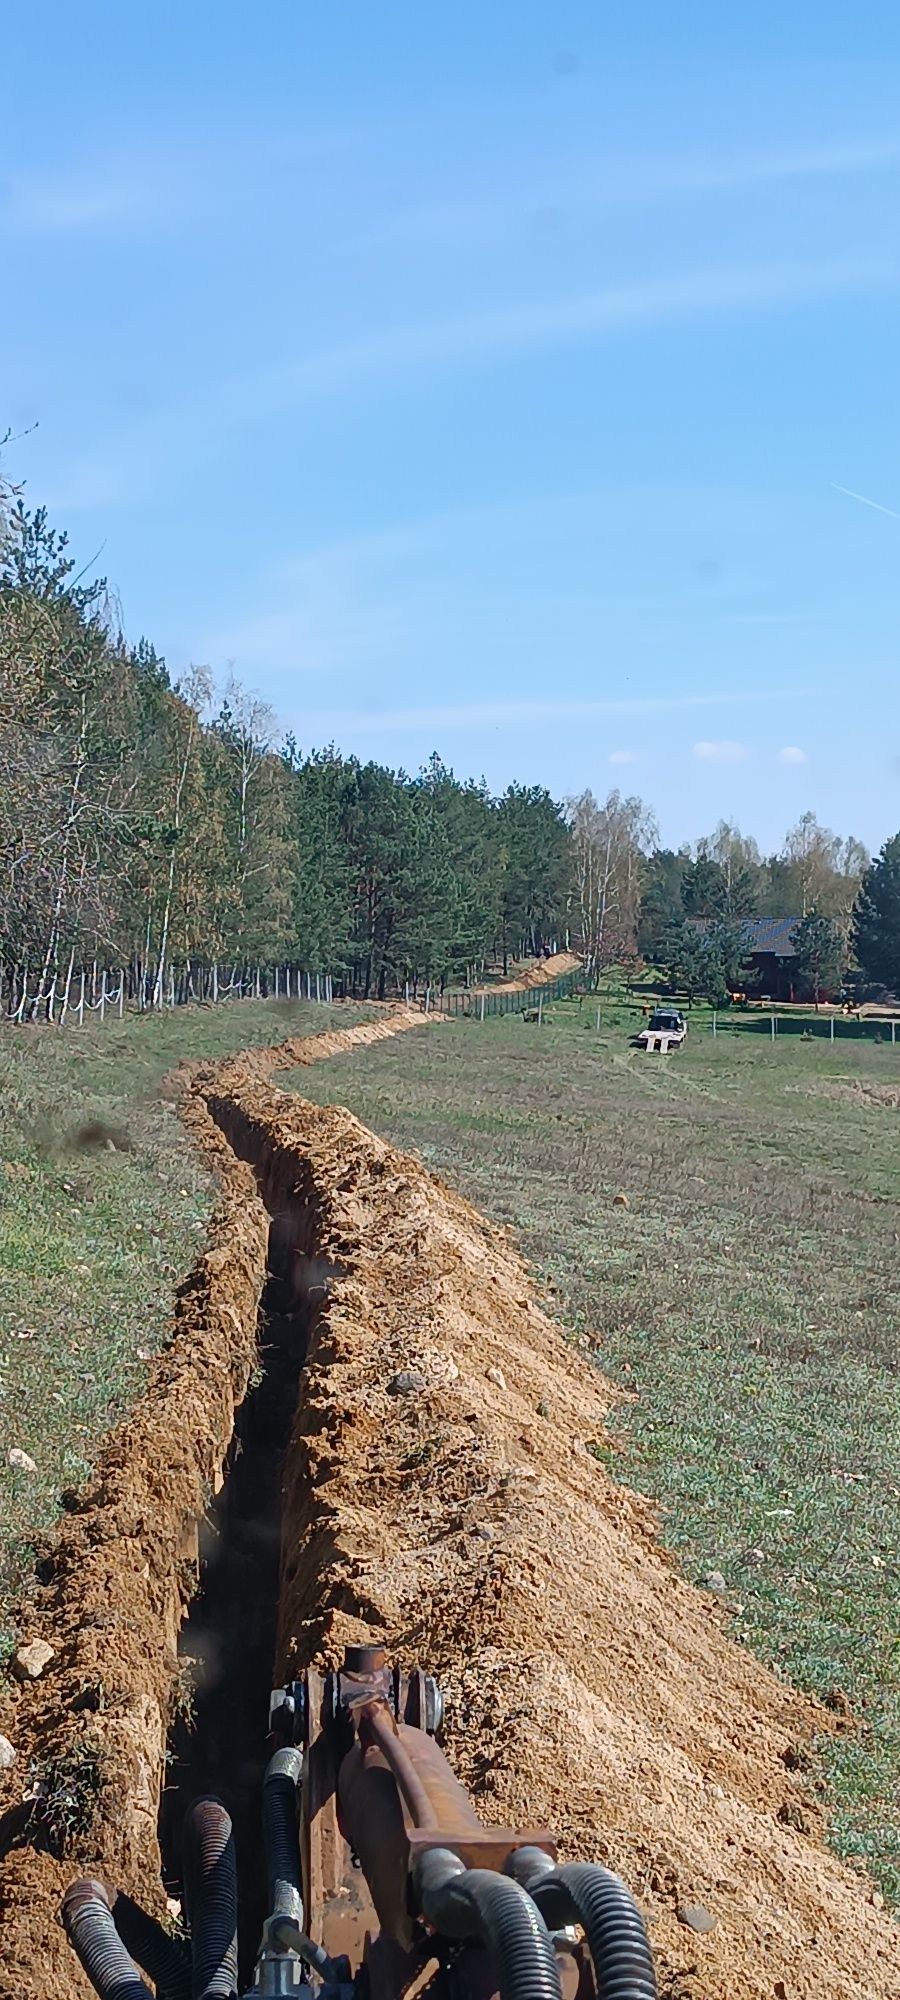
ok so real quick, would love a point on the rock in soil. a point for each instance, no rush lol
(696, 1918)
(409, 1382)
(28, 1662)
(7, 1754)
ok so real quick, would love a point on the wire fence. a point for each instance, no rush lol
(484, 1005)
(821, 1027)
(71, 997)
(67, 998)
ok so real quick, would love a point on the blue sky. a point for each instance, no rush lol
(482, 378)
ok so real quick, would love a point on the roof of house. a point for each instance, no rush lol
(763, 934)
(775, 934)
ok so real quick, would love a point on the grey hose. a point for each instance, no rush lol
(210, 1882)
(283, 1773)
(91, 1932)
(607, 1912)
(165, 1959)
(475, 1903)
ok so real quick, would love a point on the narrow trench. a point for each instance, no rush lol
(217, 1742)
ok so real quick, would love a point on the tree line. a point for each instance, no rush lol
(152, 824)
(155, 824)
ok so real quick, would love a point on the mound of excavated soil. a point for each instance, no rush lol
(469, 1524)
(540, 973)
(461, 1515)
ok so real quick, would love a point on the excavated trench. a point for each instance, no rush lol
(226, 1648)
(376, 1369)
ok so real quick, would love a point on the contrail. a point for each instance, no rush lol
(866, 503)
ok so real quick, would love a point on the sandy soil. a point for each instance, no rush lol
(469, 1524)
(539, 974)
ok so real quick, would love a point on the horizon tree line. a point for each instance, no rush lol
(152, 824)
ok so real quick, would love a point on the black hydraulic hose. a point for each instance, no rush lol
(608, 1915)
(210, 1882)
(283, 1774)
(462, 1902)
(166, 1959)
(92, 1934)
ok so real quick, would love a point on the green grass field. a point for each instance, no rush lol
(93, 1242)
(748, 1298)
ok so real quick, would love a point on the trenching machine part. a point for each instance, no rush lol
(465, 1903)
(210, 1886)
(280, 1788)
(165, 1959)
(380, 1875)
(607, 1912)
(88, 1919)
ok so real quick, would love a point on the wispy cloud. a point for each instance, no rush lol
(622, 757)
(864, 502)
(391, 354)
(65, 203)
(578, 184)
(510, 714)
(486, 335)
(771, 618)
(721, 753)
(792, 755)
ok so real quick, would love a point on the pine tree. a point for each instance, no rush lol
(876, 920)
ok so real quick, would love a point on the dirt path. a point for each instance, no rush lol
(468, 1523)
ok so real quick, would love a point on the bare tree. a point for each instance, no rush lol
(610, 843)
(827, 870)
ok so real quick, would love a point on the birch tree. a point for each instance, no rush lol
(610, 843)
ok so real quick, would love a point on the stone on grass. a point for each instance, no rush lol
(21, 1459)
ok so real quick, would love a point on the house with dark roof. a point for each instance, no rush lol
(771, 952)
